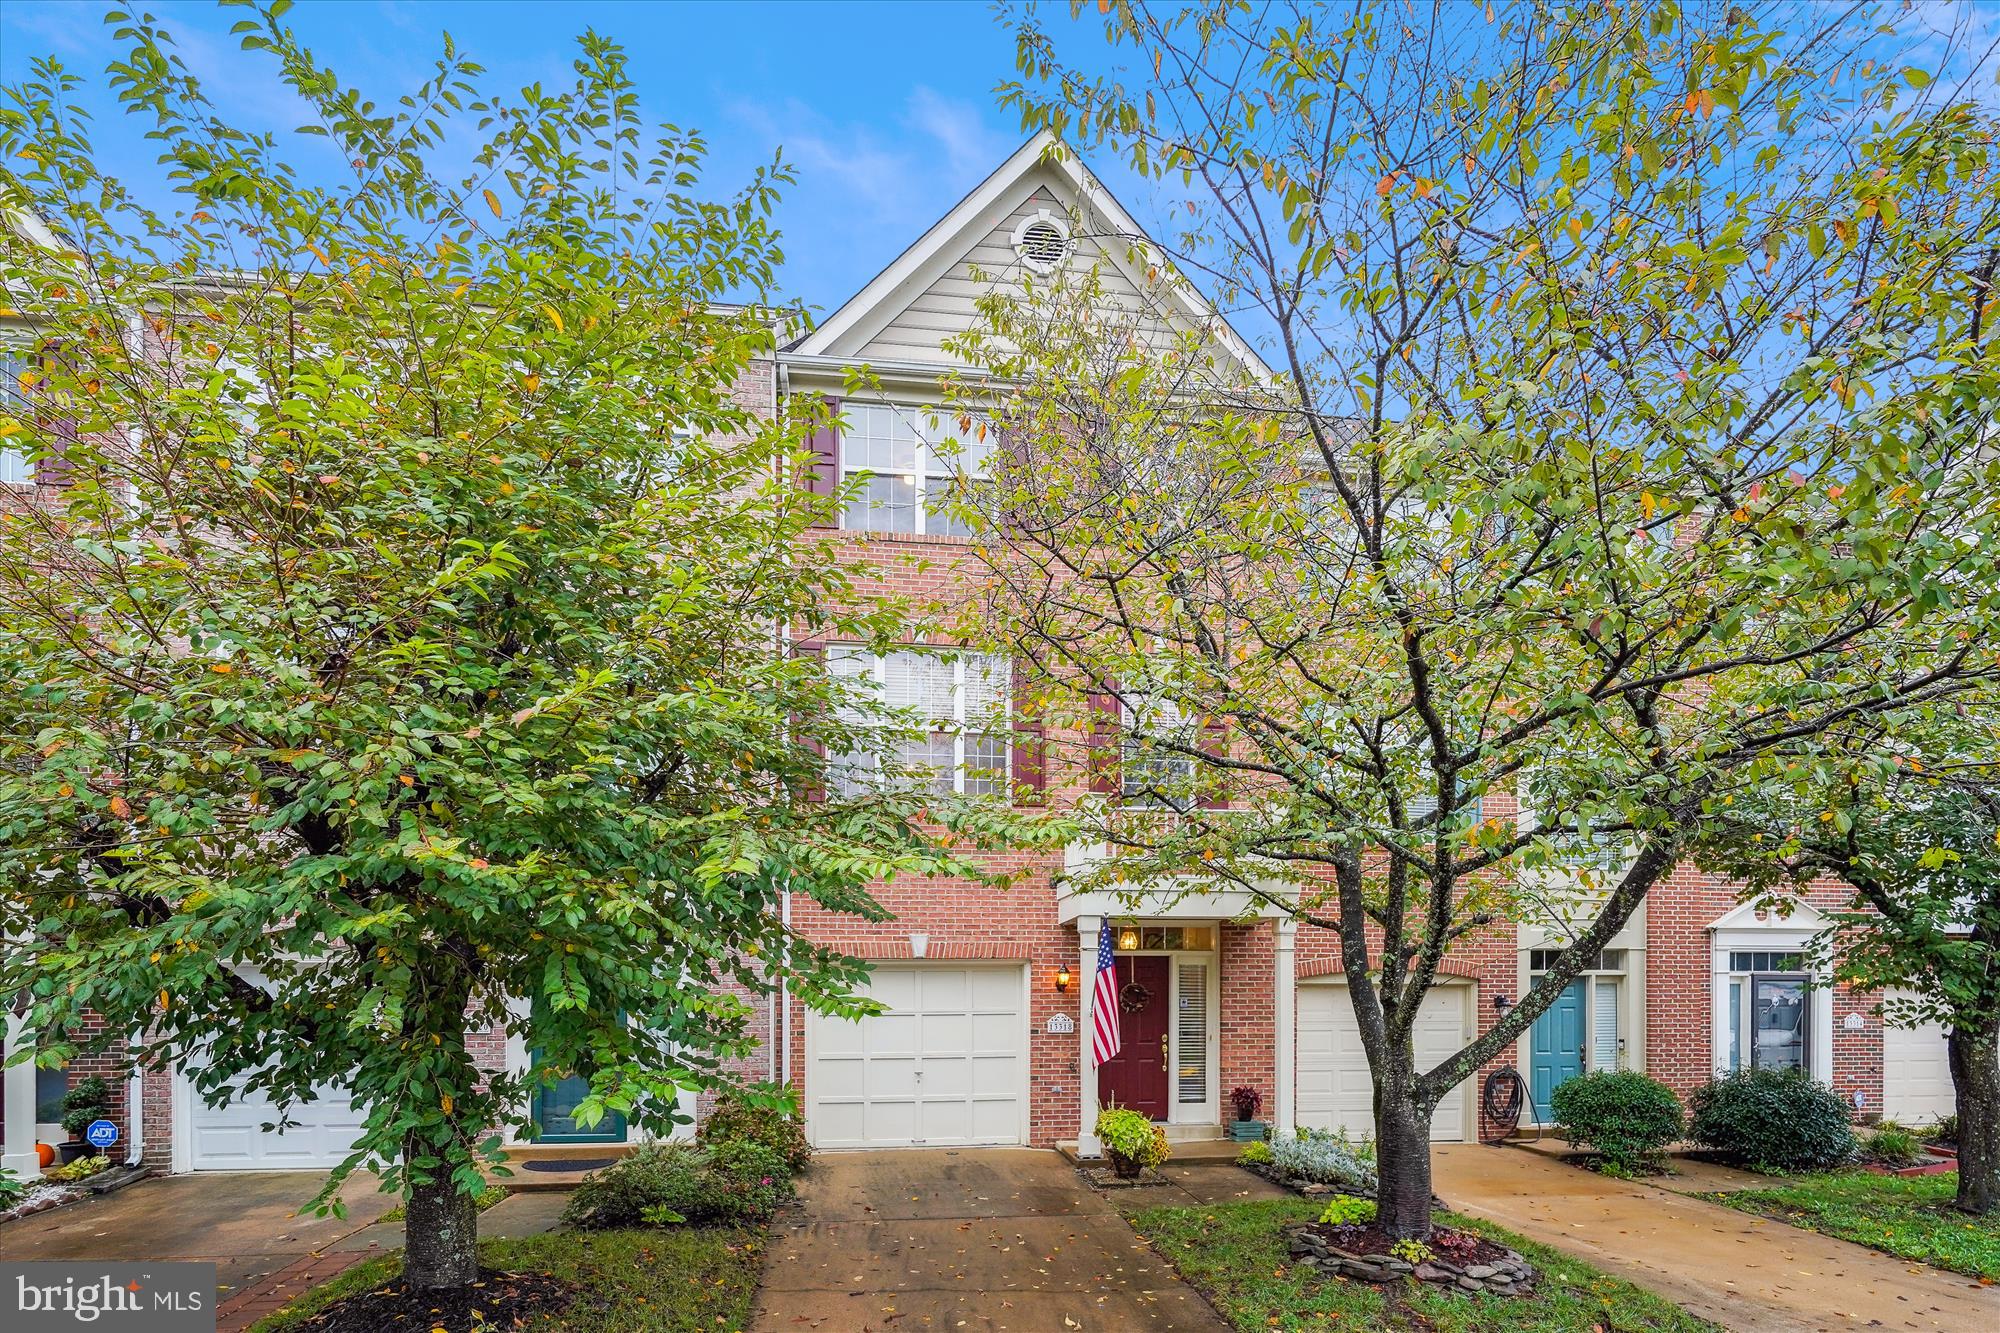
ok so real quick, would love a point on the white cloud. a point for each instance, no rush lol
(971, 149)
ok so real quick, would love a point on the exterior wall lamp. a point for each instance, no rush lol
(1062, 977)
(1128, 939)
(1501, 1004)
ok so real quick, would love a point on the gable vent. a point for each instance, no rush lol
(1042, 241)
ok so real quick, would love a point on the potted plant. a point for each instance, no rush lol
(1131, 1141)
(83, 1104)
(1246, 1127)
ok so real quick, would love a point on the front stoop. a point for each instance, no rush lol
(524, 1180)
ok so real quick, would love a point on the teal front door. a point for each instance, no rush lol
(555, 1112)
(1555, 1048)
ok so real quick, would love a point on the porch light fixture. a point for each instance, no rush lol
(1501, 1004)
(1062, 977)
(1128, 938)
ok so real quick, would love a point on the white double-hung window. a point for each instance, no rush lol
(15, 362)
(905, 463)
(950, 715)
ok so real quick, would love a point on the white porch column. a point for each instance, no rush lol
(19, 1103)
(1087, 1143)
(1284, 1011)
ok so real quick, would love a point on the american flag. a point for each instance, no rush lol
(1104, 1038)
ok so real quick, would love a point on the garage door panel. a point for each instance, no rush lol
(231, 1137)
(945, 1068)
(1916, 1073)
(1335, 1091)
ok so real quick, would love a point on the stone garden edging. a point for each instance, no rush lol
(1510, 1275)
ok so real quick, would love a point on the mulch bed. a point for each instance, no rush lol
(497, 1300)
(1460, 1259)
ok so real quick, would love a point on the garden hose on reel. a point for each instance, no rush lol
(1502, 1098)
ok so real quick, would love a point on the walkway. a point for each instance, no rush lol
(992, 1238)
(1741, 1271)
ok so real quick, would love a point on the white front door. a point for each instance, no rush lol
(1335, 1091)
(945, 1066)
(1916, 1074)
(233, 1137)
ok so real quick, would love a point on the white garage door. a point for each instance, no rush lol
(945, 1066)
(1335, 1091)
(232, 1137)
(1916, 1074)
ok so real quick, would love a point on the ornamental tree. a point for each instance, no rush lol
(1630, 373)
(398, 647)
(1906, 810)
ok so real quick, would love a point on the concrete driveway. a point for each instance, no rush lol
(981, 1238)
(244, 1222)
(1743, 1272)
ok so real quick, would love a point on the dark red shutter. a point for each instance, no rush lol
(815, 790)
(1030, 748)
(1106, 722)
(1213, 777)
(824, 478)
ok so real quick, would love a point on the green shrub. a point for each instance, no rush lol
(1324, 1159)
(659, 1183)
(12, 1189)
(1944, 1131)
(1255, 1154)
(88, 1101)
(1345, 1209)
(776, 1127)
(1132, 1136)
(1894, 1146)
(1413, 1252)
(1628, 1118)
(1773, 1120)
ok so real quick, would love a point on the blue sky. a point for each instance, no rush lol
(886, 110)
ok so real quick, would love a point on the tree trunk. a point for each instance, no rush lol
(441, 1245)
(1402, 1160)
(1975, 1081)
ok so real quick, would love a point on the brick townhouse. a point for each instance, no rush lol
(986, 1035)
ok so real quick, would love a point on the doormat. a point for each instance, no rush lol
(566, 1163)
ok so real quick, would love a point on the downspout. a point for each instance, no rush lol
(781, 1050)
(135, 1115)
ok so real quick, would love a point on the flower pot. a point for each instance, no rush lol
(72, 1150)
(1125, 1168)
(1248, 1131)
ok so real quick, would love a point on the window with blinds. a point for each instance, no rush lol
(957, 708)
(1192, 1033)
(15, 469)
(1604, 1026)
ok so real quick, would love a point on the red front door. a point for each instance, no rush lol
(1136, 1077)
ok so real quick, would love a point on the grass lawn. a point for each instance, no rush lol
(1907, 1216)
(1235, 1253)
(671, 1280)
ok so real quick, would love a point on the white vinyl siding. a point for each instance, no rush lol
(949, 305)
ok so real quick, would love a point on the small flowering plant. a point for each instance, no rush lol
(1247, 1101)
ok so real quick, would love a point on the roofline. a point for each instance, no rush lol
(1042, 147)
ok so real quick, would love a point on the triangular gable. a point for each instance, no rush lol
(907, 311)
(1782, 912)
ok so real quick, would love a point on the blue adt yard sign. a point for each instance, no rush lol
(101, 1134)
